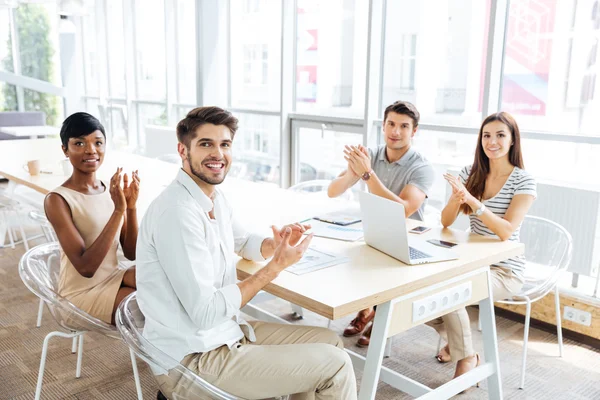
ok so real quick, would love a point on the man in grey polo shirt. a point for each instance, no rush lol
(395, 171)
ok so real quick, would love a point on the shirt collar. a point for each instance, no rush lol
(192, 187)
(402, 161)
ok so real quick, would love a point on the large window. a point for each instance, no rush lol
(321, 151)
(186, 51)
(435, 58)
(331, 56)
(150, 50)
(255, 67)
(256, 148)
(116, 53)
(551, 63)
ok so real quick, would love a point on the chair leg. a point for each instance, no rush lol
(40, 312)
(478, 323)
(38, 388)
(297, 310)
(74, 346)
(525, 340)
(558, 320)
(79, 357)
(23, 236)
(9, 231)
(136, 375)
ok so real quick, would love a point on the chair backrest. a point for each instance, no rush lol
(130, 323)
(40, 218)
(39, 269)
(318, 185)
(548, 252)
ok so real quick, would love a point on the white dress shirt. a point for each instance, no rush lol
(186, 277)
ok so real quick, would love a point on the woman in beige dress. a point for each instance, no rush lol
(90, 218)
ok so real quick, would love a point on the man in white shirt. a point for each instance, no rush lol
(187, 290)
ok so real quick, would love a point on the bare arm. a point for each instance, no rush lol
(85, 261)
(343, 182)
(129, 231)
(450, 212)
(504, 227)
(410, 197)
(284, 256)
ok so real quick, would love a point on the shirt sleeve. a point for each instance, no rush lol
(422, 178)
(184, 255)
(526, 184)
(246, 245)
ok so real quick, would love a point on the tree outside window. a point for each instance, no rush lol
(36, 52)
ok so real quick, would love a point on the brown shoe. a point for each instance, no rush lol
(365, 338)
(358, 324)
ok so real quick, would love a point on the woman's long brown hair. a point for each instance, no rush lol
(481, 165)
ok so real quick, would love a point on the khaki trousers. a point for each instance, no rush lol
(455, 327)
(303, 361)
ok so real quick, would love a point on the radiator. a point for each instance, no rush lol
(576, 209)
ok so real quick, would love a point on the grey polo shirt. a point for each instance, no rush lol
(411, 169)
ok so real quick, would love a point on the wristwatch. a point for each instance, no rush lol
(480, 210)
(366, 176)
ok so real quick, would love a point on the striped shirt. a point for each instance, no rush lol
(519, 182)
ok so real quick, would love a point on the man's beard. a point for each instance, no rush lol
(205, 178)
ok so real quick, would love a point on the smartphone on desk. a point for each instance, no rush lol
(419, 229)
(442, 243)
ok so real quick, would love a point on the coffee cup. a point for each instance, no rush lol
(33, 167)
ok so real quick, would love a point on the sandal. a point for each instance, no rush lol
(444, 355)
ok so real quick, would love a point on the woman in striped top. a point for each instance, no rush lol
(496, 193)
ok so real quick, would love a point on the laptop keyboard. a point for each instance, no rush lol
(416, 254)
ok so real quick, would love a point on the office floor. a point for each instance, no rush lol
(106, 372)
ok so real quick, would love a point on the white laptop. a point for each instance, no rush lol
(384, 226)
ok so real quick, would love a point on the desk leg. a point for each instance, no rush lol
(490, 342)
(368, 386)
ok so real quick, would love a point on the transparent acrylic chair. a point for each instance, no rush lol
(11, 217)
(39, 270)
(548, 248)
(130, 323)
(40, 218)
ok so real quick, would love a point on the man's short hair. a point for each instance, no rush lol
(405, 108)
(187, 127)
(78, 125)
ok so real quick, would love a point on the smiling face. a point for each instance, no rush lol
(496, 140)
(398, 130)
(209, 156)
(86, 153)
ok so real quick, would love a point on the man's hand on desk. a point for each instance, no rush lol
(269, 245)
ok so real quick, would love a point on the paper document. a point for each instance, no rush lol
(314, 260)
(324, 229)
